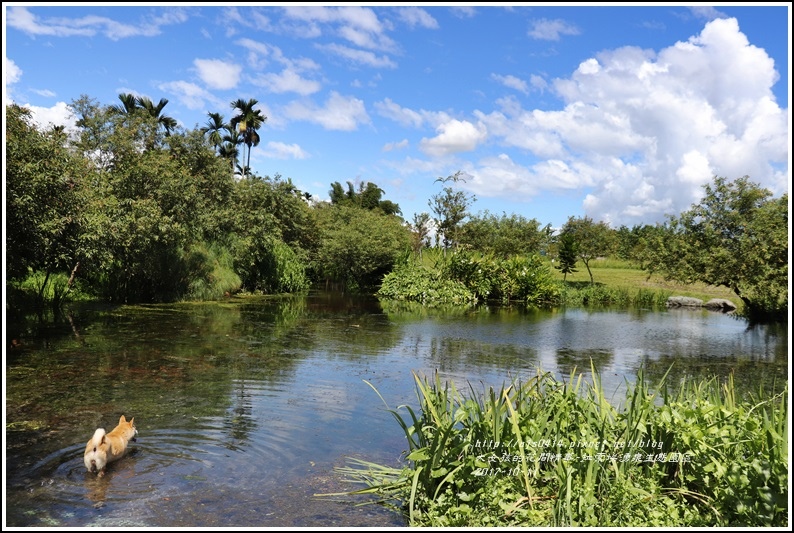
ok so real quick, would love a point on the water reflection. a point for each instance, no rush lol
(245, 406)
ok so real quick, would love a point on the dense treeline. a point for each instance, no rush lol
(132, 207)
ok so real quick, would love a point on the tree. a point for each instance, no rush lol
(44, 183)
(421, 231)
(567, 255)
(247, 121)
(736, 237)
(451, 207)
(214, 129)
(592, 239)
(156, 112)
(358, 247)
(504, 236)
(129, 103)
(368, 196)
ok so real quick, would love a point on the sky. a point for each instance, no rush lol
(548, 111)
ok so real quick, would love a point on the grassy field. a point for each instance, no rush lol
(622, 275)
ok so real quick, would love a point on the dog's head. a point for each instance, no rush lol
(96, 452)
(128, 427)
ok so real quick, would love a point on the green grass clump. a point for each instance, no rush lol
(555, 453)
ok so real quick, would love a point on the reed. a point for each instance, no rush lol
(549, 452)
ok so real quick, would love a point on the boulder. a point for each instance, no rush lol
(684, 301)
(720, 304)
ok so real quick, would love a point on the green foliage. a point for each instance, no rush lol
(44, 190)
(470, 276)
(358, 247)
(736, 237)
(451, 208)
(567, 255)
(210, 273)
(368, 196)
(545, 452)
(593, 239)
(503, 236)
(416, 283)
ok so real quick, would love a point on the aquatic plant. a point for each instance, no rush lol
(549, 452)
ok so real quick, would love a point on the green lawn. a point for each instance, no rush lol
(621, 275)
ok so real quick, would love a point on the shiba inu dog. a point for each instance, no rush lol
(104, 448)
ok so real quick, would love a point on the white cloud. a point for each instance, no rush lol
(359, 25)
(287, 81)
(463, 11)
(218, 74)
(453, 137)
(58, 115)
(414, 16)
(338, 113)
(191, 95)
(645, 131)
(362, 57)
(538, 82)
(22, 19)
(401, 115)
(550, 30)
(279, 150)
(388, 147)
(512, 82)
(707, 12)
(408, 117)
(11, 71)
(44, 92)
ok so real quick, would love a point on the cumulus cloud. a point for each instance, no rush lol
(339, 112)
(218, 74)
(58, 115)
(11, 71)
(453, 137)
(646, 130)
(24, 20)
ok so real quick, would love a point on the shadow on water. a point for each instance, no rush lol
(244, 407)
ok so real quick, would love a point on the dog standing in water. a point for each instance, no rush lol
(104, 448)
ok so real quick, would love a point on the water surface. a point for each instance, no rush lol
(244, 407)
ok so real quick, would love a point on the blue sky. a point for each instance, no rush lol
(617, 113)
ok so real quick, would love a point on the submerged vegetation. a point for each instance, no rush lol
(546, 452)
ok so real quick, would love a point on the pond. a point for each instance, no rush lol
(245, 407)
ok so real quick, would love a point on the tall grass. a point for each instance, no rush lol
(548, 452)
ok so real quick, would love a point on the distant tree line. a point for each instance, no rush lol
(134, 208)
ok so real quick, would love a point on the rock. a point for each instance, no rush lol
(720, 304)
(684, 301)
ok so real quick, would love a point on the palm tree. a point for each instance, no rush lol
(232, 138)
(248, 120)
(155, 111)
(129, 103)
(214, 129)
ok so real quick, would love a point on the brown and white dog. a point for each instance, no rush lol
(104, 448)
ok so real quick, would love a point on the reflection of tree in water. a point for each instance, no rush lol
(749, 374)
(238, 420)
(579, 360)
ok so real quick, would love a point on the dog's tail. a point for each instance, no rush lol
(99, 436)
